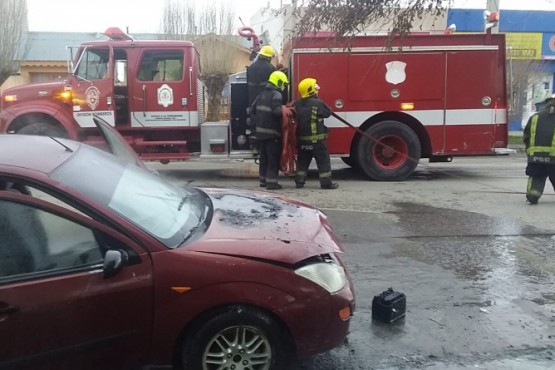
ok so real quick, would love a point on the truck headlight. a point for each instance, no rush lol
(328, 275)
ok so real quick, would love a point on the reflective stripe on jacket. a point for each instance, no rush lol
(311, 112)
(539, 136)
(267, 109)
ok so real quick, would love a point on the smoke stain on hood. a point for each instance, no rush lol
(250, 211)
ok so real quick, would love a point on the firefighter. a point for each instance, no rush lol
(259, 72)
(267, 110)
(312, 135)
(257, 77)
(539, 139)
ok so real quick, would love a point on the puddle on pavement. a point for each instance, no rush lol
(503, 257)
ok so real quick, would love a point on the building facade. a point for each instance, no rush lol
(530, 39)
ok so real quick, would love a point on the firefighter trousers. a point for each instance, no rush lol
(270, 155)
(537, 176)
(318, 151)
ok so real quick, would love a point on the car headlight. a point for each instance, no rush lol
(328, 275)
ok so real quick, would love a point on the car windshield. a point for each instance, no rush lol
(169, 213)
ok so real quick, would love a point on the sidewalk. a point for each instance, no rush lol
(519, 146)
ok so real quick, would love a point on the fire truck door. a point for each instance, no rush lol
(470, 103)
(163, 91)
(92, 87)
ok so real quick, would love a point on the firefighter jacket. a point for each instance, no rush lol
(257, 76)
(311, 112)
(267, 110)
(539, 138)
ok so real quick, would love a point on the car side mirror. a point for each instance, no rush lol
(114, 260)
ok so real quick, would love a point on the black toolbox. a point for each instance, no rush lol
(389, 306)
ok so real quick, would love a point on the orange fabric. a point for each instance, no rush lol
(287, 162)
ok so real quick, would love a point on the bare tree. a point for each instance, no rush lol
(178, 19)
(524, 74)
(348, 17)
(210, 30)
(13, 26)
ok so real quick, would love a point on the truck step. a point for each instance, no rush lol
(144, 143)
(165, 157)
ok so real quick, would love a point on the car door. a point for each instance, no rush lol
(57, 309)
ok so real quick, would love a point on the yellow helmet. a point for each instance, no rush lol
(278, 79)
(308, 87)
(267, 51)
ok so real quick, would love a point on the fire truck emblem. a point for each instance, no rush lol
(165, 96)
(395, 72)
(92, 96)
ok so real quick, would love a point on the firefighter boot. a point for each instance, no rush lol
(330, 186)
(531, 200)
(273, 186)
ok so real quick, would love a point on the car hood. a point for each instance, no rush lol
(265, 226)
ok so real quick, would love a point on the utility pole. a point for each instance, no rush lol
(492, 6)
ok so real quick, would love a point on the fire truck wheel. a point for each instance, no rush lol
(390, 153)
(43, 129)
(349, 161)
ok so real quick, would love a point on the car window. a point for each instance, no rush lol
(33, 241)
(24, 188)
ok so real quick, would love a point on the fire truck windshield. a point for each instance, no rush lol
(93, 64)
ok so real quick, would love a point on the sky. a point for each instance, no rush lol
(144, 17)
(139, 16)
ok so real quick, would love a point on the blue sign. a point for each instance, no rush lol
(548, 46)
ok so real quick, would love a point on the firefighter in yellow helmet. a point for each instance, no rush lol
(257, 77)
(259, 71)
(312, 134)
(539, 139)
(267, 111)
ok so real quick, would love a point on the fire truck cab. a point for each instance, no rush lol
(149, 90)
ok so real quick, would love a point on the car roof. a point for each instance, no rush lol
(38, 153)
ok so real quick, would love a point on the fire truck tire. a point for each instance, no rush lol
(391, 155)
(349, 161)
(43, 129)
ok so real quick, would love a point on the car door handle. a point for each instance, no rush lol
(6, 310)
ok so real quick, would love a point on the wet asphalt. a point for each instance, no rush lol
(476, 264)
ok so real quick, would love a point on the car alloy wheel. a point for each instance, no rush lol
(237, 348)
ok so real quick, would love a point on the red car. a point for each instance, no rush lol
(105, 265)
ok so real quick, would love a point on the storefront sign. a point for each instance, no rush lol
(524, 45)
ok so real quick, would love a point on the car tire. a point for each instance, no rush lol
(225, 338)
(390, 153)
(43, 129)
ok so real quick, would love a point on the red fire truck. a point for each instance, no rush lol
(428, 96)
(422, 96)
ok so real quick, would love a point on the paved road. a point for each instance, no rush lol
(476, 263)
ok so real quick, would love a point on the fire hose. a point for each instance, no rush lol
(342, 120)
(289, 139)
(287, 162)
(371, 138)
